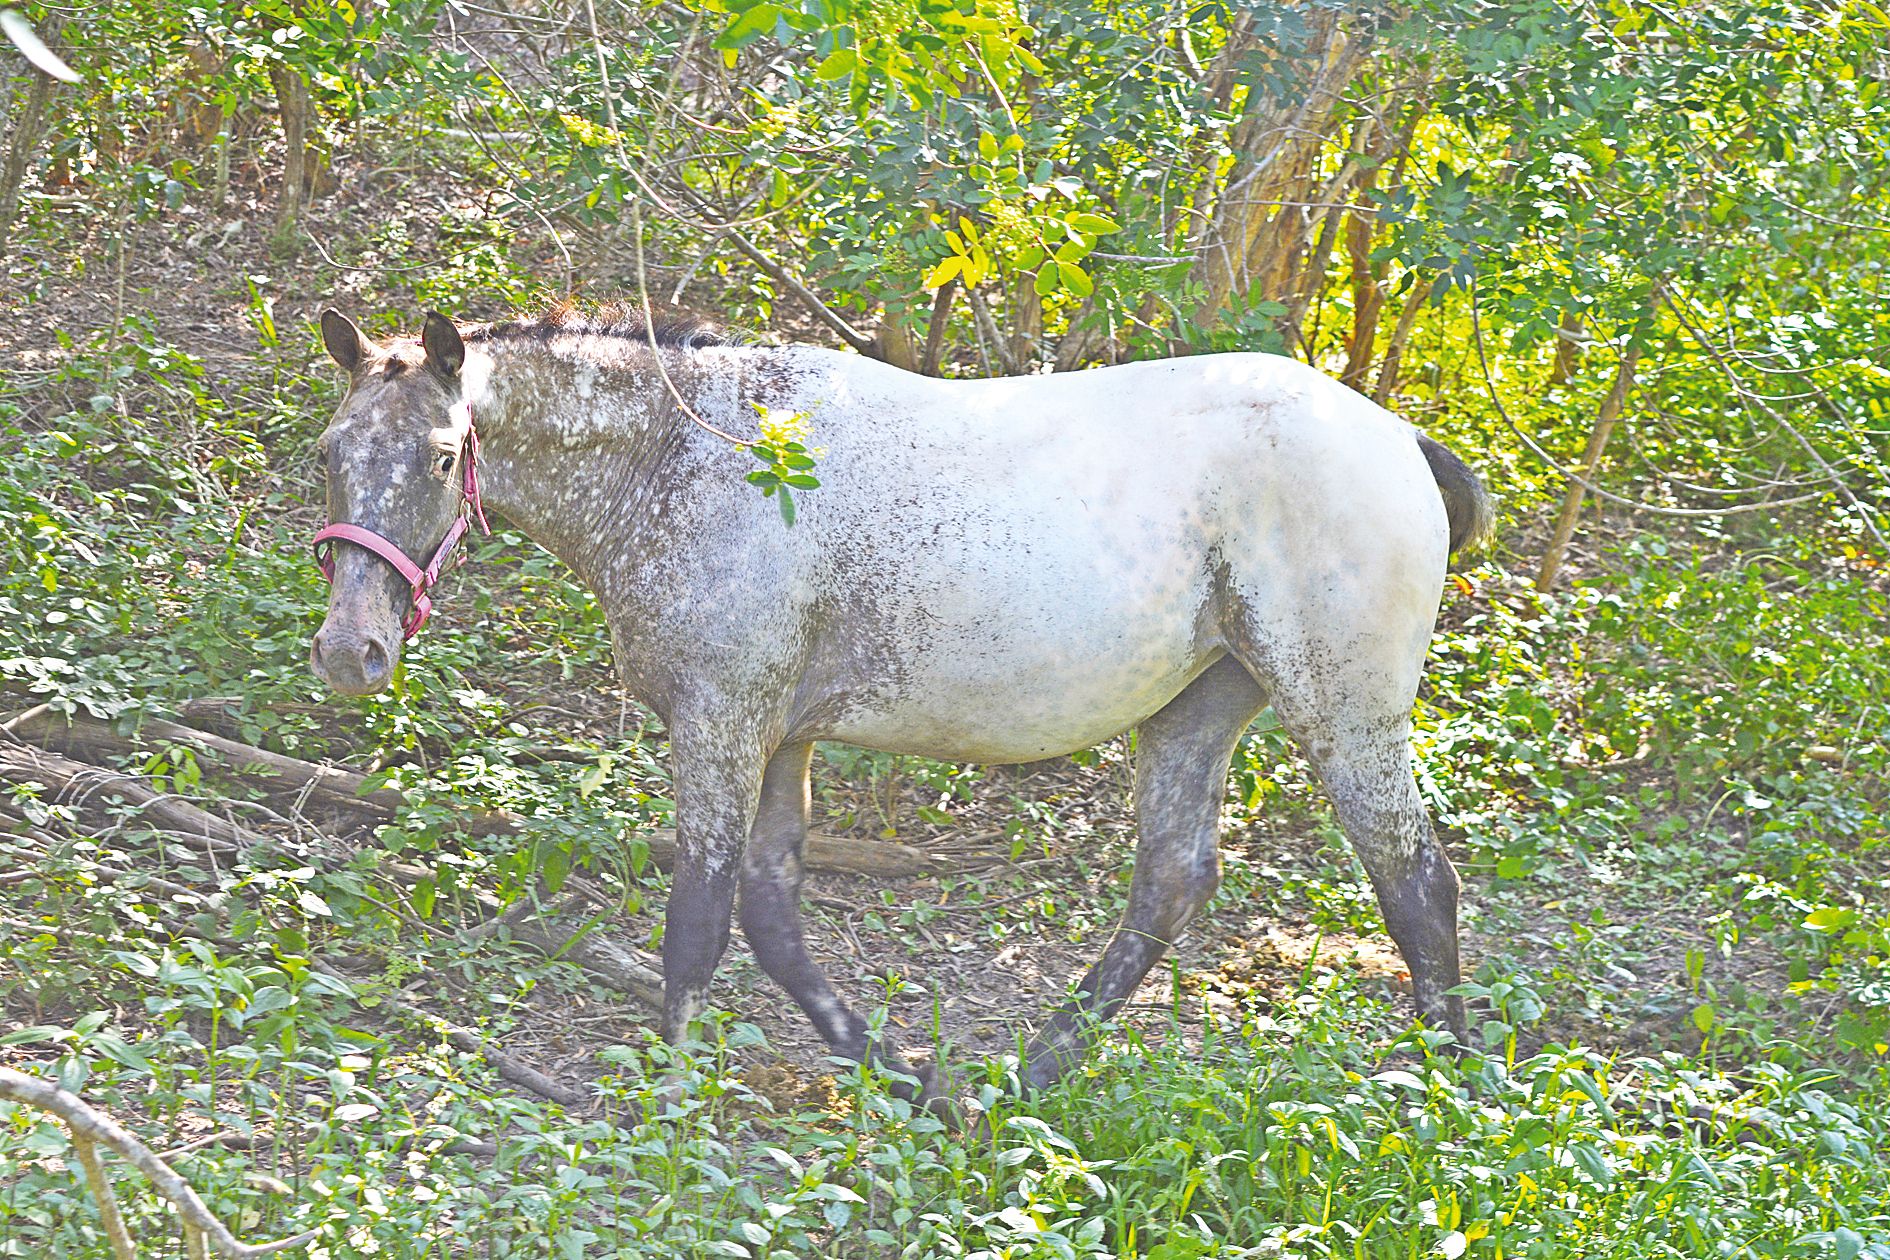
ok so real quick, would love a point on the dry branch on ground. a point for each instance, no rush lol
(90, 1129)
(279, 773)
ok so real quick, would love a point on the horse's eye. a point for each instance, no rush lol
(444, 466)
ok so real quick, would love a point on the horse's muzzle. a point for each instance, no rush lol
(352, 662)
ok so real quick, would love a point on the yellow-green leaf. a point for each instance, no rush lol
(1075, 279)
(950, 269)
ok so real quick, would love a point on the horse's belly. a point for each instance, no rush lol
(988, 703)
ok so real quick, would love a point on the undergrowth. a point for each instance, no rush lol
(1666, 786)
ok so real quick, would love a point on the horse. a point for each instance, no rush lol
(992, 570)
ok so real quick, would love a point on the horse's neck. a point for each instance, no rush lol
(568, 450)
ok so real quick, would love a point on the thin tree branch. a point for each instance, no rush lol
(90, 1127)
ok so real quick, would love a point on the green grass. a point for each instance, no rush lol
(1299, 1129)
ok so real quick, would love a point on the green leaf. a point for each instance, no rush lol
(554, 867)
(1094, 224)
(837, 64)
(749, 26)
(785, 501)
(121, 1053)
(1591, 1161)
(1075, 279)
(1400, 1077)
(1830, 919)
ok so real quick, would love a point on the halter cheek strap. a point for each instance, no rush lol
(420, 580)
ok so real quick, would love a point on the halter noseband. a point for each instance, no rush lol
(421, 580)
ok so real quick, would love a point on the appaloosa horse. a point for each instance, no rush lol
(991, 570)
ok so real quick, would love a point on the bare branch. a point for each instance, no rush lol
(1535, 447)
(90, 1127)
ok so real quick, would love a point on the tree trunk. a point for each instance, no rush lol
(893, 341)
(1368, 299)
(1253, 245)
(1568, 348)
(292, 104)
(1077, 346)
(1315, 268)
(1026, 325)
(1591, 457)
(28, 129)
(1420, 293)
(988, 329)
(935, 329)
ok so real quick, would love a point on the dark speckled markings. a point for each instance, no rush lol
(990, 571)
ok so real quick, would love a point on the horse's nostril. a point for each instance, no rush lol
(374, 661)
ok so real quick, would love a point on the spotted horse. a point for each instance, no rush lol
(990, 571)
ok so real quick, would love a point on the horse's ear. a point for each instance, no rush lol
(346, 345)
(446, 349)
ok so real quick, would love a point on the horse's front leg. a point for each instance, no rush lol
(771, 920)
(717, 766)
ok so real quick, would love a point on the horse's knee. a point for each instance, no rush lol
(1417, 887)
(1178, 892)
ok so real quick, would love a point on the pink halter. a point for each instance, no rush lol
(422, 580)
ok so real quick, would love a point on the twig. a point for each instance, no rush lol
(511, 1069)
(1489, 382)
(76, 780)
(90, 1127)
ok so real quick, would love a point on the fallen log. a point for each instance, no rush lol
(65, 780)
(610, 961)
(83, 733)
(839, 855)
(509, 1067)
(346, 789)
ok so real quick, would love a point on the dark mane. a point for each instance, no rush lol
(618, 320)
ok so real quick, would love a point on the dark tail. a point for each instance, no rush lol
(1471, 510)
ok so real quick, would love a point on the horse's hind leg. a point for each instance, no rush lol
(1181, 758)
(1353, 722)
(771, 908)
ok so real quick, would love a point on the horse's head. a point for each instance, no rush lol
(400, 491)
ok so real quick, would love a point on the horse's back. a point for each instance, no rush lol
(1256, 453)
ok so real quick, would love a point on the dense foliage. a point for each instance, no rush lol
(1643, 242)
